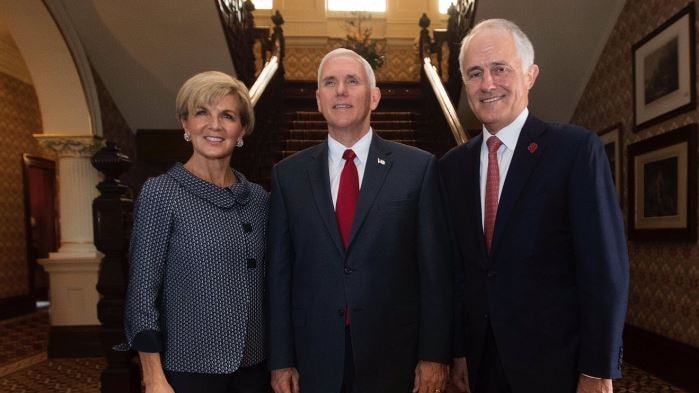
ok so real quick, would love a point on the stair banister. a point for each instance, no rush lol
(445, 104)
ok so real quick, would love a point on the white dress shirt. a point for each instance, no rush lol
(336, 163)
(508, 136)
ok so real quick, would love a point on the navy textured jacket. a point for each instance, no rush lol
(195, 290)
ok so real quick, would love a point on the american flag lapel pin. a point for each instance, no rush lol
(381, 162)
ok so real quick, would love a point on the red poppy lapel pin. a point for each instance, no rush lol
(532, 147)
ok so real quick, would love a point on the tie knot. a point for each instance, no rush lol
(348, 155)
(493, 144)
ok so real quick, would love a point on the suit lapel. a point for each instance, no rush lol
(474, 188)
(320, 188)
(530, 148)
(377, 166)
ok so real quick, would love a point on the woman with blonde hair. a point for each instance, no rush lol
(194, 304)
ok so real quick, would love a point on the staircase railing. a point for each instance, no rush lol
(263, 80)
(241, 34)
(428, 45)
(461, 19)
(457, 131)
(462, 15)
(255, 159)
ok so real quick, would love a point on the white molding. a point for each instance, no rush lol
(82, 64)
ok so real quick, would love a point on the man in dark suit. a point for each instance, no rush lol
(359, 275)
(542, 269)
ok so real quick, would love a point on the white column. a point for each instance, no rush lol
(74, 268)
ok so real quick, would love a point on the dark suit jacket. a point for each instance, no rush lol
(395, 275)
(555, 287)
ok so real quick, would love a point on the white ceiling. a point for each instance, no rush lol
(144, 50)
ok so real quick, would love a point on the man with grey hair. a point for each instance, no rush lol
(542, 267)
(358, 280)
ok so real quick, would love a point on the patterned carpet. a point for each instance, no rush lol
(56, 375)
(24, 367)
(23, 341)
(638, 381)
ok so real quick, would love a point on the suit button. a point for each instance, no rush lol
(341, 312)
(491, 274)
(348, 270)
(485, 316)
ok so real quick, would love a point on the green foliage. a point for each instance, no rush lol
(359, 40)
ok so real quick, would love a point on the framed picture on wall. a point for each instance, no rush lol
(664, 71)
(611, 138)
(662, 182)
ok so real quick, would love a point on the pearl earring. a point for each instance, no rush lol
(187, 137)
(240, 143)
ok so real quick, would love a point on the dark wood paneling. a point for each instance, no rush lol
(162, 146)
(156, 152)
(17, 305)
(74, 342)
(675, 362)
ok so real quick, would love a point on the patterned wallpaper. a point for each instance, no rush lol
(301, 62)
(20, 117)
(664, 294)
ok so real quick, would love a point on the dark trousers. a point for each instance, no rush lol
(348, 376)
(491, 378)
(253, 379)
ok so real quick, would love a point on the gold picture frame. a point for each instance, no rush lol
(664, 71)
(662, 186)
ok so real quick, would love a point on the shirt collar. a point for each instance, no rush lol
(360, 148)
(510, 133)
(223, 197)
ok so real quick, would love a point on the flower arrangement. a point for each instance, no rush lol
(359, 40)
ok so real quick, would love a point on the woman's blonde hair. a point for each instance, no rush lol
(208, 87)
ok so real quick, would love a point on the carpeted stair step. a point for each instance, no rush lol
(377, 125)
(375, 116)
(319, 135)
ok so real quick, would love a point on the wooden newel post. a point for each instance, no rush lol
(112, 219)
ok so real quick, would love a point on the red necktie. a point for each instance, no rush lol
(492, 188)
(346, 204)
(347, 196)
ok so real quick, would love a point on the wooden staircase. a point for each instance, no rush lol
(306, 129)
(397, 118)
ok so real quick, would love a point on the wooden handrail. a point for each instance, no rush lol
(241, 34)
(444, 102)
(266, 75)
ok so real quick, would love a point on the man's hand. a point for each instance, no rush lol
(285, 380)
(459, 375)
(594, 385)
(430, 377)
